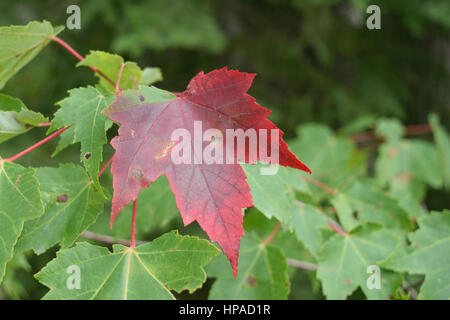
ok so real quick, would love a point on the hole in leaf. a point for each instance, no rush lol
(137, 173)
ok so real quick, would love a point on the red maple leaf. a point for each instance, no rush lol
(211, 194)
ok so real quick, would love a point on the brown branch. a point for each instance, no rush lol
(302, 264)
(418, 129)
(107, 239)
(409, 130)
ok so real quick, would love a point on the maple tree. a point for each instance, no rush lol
(335, 223)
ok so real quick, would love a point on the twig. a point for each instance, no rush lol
(319, 184)
(409, 130)
(418, 129)
(302, 264)
(272, 234)
(79, 57)
(24, 152)
(107, 239)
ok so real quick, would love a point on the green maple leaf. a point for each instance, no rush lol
(149, 271)
(332, 158)
(82, 110)
(443, 144)
(20, 200)
(390, 129)
(430, 256)
(20, 44)
(109, 64)
(274, 194)
(343, 261)
(13, 284)
(16, 118)
(309, 222)
(151, 75)
(408, 159)
(155, 211)
(262, 273)
(71, 206)
(362, 202)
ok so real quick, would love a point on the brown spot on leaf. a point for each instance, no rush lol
(62, 198)
(141, 97)
(251, 281)
(87, 155)
(17, 180)
(392, 152)
(404, 177)
(347, 280)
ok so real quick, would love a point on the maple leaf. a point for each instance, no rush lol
(211, 194)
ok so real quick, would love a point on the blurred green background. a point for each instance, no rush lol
(315, 60)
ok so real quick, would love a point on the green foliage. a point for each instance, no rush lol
(364, 203)
(20, 201)
(110, 64)
(315, 145)
(319, 70)
(82, 109)
(156, 211)
(430, 255)
(273, 195)
(150, 271)
(262, 273)
(309, 223)
(443, 144)
(16, 118)
(174, 28)
(344, 260)
(71, 205)
(20, 44)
